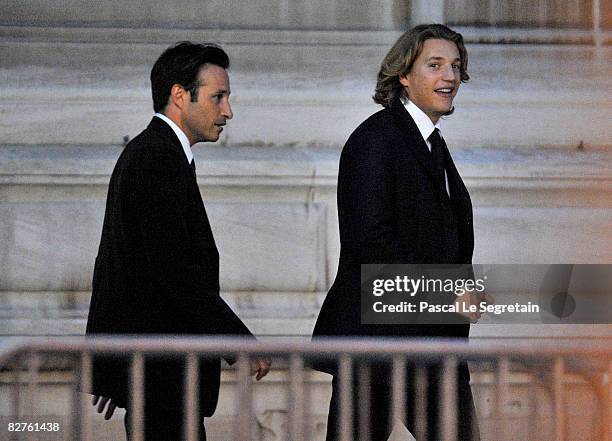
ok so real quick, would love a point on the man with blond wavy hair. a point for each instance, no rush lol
(401, 200)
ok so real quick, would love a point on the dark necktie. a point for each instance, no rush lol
(438, 147)
(192, 164)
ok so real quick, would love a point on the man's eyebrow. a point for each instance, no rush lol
(434, 58)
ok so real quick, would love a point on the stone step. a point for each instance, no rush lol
(270, 118)
(261, 41)
(294, 88)
(267, 314)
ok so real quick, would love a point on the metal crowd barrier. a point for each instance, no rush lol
(548, 362)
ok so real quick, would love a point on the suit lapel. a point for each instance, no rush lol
(161, 129)
(455, 184)
(415, 140)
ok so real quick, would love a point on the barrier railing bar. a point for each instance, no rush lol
(420, 402)
(502, 397)
(534, 427)
(559, 398)
(75, 416)
(346, 398)
(244, 398)
(33, 363)
(86, 372)
(137, 378)
(597, 35)
(448, 413)
(307, 402)
(191, 423)
(448, 402)
(608, 421)
(371, 347)
(16, 393)
(398, 401)
(364, 403)
(296, 395)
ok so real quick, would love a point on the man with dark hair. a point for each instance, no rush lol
(401, 200)
(157, 269)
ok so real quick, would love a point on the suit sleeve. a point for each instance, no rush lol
(366, 181)
(159, 200)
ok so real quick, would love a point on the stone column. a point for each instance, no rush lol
(427, 11)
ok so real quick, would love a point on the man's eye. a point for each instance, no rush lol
(434, 65)
(456, 66)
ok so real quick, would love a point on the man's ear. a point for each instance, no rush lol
(179, 97)
(404, 81)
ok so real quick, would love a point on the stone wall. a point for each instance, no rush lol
(273, 213)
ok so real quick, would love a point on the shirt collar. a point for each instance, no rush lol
(179, 134)
(424, 124)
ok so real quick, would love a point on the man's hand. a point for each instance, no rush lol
(464, 304)
(261, 367)
(101, 402)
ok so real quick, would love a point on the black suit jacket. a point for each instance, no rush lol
(390, 211)
(157, 269)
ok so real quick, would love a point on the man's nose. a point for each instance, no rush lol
(448, 73)
(227, 111)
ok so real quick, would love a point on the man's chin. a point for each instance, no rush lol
(210, 138)
(449, 111)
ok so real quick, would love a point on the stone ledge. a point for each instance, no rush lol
(51, 305)
(166, 35)
(501, 35)
(339, 93)
(527, 168)
(160, 35)
(525, 119)
(269, 315)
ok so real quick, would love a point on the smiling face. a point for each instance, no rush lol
(202, 120)
(434, 79)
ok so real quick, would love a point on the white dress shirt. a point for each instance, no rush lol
(180, 135)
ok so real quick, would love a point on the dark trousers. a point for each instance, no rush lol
(163, 425)
(380, 423)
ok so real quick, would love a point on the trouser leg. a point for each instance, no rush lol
(380, 405)
(162, 425)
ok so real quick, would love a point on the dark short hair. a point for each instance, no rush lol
(400, 59)
(180, 64)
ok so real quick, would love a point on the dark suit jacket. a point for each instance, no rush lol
(391, 212)
(157, 270)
